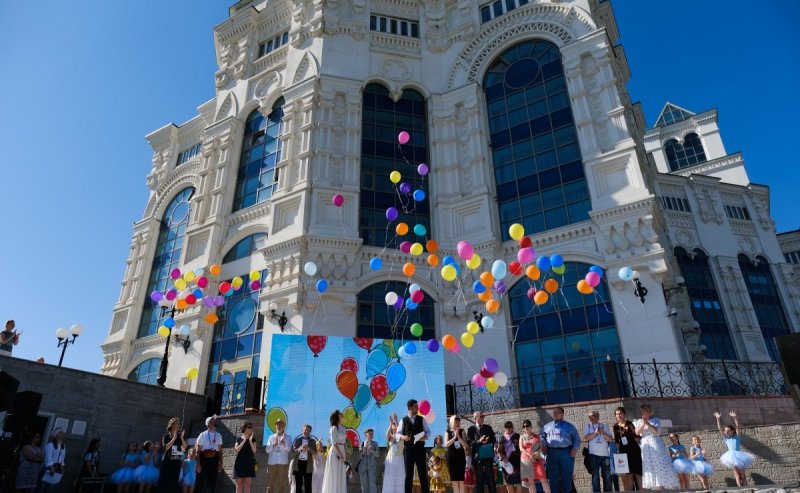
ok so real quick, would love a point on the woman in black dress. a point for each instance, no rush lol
(626, 438)
(174, 447)
(244, 468)
(456, 444)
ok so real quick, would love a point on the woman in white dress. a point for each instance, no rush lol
(657, 470)
(335, 480)
(394, 475)
(319, 468)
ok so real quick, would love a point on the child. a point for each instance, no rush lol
(435, 473)
(702, 468)
(319, 468)
(680, 462)
(469, 472)
(734, 457)
(189, 471)
(441, 452)
(146, 474)
(124, 476)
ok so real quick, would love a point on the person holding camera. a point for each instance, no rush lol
(54, 454)
(9, 338)
(244, 467)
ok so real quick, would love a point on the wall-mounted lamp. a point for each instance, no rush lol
(681, 285)
(281, 318)
(640, 291)
(184, 341)
(478, 317)
(672, 312)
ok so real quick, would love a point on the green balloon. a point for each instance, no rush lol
(416, 329)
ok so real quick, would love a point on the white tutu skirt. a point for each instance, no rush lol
(703, 467)
(146, 473)
(682, 465)
(736, 458)
(123, 475)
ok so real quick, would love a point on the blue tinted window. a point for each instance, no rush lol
(146, 372)
(684, 155)
(766, 301)
(377, 320)
(243, 248)
(261, 150)
(533, 138)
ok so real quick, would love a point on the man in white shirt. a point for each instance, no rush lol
(278, 447)
(598, 436)
(209, 456)
(411, 426)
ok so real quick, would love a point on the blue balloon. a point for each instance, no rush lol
(448, 259)
(433, 345)
(556, 260)
(396, 375)
(362, 398)
(169, 323)
(596, 269)
(411, 305)
(410, 348)
(499, 269)
(376, 263)
(420, 230)
(322, 285)
(487, 322)
(419, 195)
(198, 293)
(626, 273)
(376, 362)
(543, 263)
(478, 288)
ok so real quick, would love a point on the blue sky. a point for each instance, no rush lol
(83, 82)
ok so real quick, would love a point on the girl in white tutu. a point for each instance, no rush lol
(680, 460)
(702, 467)
(124, 477)
(734, 457)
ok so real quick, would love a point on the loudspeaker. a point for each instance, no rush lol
(789, 348)
(26, 408)
(450, 399)
(6, 454)
(8, 388)
(252, 399)
(214, 399)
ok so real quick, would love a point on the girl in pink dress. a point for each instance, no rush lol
(531, 461)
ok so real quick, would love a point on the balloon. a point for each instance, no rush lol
(525, 242)
(395, 177)
(491, 385)
(171, 294)
(430, 417)
(403, 137)
(414, 288)
(396, 375)
(202, 282)
(185, 330)
(478, 288)
(401, 229)
(405, 247)
(499, 287)
(417, 296)
(584, 287)
(492, 306)
(390, 299)
(487, 322)
(347, 383)
(405, 188)
(485, 296)
(593, 279)
(474, 262)
(416, 329)
(516, 231)
(353, 439)
(433, 345)
(449, 342)
(543, 263)
(531, 293)
(492, 365)
(551, 286)
(175, 274)
(433, 260)
(411, 305)
(448, 273)
(375, 263)
(156, 296)
(391, 214)
(255, 285)
(626, 273)
(422, 169)
(310, 268)
(211, 318)
(410, 348)
(409, 269)
(322, 285)
(169, 323)
(419, 195)
(420, 230)
(224, 287)
(338, 200)
(189, 276)
(363, 342)
(478, 380)
(432, 246)
(533, 272)
(541, 297)
(597, 269)
(349, 363)
(316, 344)
(424, 407)
(237, 282)
(467, 339)
(515, 268)
(501, 378)
(180, 283)
(182, 304)
(378, 387)
(399, 303)
(389, 398)
(350, 418)
(486, 373)
(191, 373)
(448, 260)
(560, 269)
(416, 249)
(499, 269)
(487, 279)
(456, 348)
(254, 276)
(163, 331)
(473, 327)
(525, 255)
(464, 250)
(556, 260)
(215, 269)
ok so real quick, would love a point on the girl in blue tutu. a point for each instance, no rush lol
(702, 467)
(189, 471)
(146, 474)
(124, 477)
(734, 457)
(680, 460)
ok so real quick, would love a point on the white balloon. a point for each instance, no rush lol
(185, 329)
(430, 416)
(487, 322)
(310, 268)
(414, 288)
(501, 378)
(391, 298)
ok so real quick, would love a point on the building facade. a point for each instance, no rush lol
(520, 110)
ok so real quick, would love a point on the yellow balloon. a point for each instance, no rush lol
(189, 276)
(473, 327)
(491, 385)
(237, 282)
(163, 331)
(394, 176)
(180, 284)
(255, 275)
(191, 373)
(516, 231)
(474, 262)
(416, 249)
(448, 273)
(467, 339)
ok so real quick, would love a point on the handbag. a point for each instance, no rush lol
(486, 451)
(621, 464)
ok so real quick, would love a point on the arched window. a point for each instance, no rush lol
(243, 248)
(766, 301)
(261, 151)
(381, 122)
(688, 154)
(377, 320)
(560, 348)
(706, 307)
(537, 161)
(167, 257)
(146, 372)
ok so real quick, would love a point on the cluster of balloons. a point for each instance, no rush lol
(310, 268)
(426, 411)
(416, 295)
(490, 377)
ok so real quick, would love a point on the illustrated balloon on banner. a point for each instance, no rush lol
(424, 407)
(349, 364)
(432, 345)
(338, 200)
(410, 348)
(322, 285)
(416, 329)
(474, 262)
(275, 414)
(516, 231)
(626, 273)
(353, 441)
(347, 383)
(191, 374)
(501, 378)
(350, 418)
(467, 340)
(310, 268)
(422, 169)
(363, 342)
(390, 298)
(403, 137)
(584, 287)
(389, 398)
(396, 374)
(395, 177)
(499, 269)
(362, 398)
(391, 214)
(378, 387)
(487, 322)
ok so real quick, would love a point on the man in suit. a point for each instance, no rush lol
(481, 440)
(303, 450)
(414, 451)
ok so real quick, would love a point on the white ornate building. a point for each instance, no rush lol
(520, 109)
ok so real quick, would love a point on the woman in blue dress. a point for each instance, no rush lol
(125, 476)
(680, 460)
(734, 457)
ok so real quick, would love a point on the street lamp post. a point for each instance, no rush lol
(63, 338)
(162, 370)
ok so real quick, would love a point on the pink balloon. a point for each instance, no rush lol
(403, 137)
(424, 407)
(417, 296)
(172, 294)
(338, 200)
(465, 250)
(175, 273)
(255, 285)
(478, 380)
(525, 255)
(405, 247)
(202, 282)
(531, 293)
(593, 279)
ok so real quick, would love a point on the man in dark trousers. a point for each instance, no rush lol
(481, 440)
(414, 448)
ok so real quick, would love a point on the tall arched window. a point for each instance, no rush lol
(560, 348)
(244, 248)
(261, 151)
(706, 306)
(684, 155)
(146, 372)
(377, 320)
(167, 257)
(537, 161)
(766, 301)
(381, 122)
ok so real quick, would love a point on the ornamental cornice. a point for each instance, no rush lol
(789, 244)
(293, 246)
(744, 228)
(151, 341)
(236, 26)
(406, 9)
(275, 18)
(271, 61)
(708, 166)
(249, 214)
(190, 134)
(160, 139)
(680, 219)
(645, 204)
(185, 174)
(552, 237)
(333, 243)
(393, 44)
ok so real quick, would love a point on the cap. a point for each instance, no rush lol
(210, 419)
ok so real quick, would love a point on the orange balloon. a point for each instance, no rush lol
(487, 279)
(492, 306)
(584, 287)
(181, 304)
(533, 272)
(401, 229)
(449, 342)
(551, 285)
(409, 269)
(215, 269)
(540, 298)
(212, 318)
(432, 246)
(433, 260)
(485, 296)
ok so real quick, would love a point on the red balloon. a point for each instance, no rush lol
(349, 364)
(316, 344)
(525, 242)
(486, 373)
(224, 287)
(379, 387)
(191, 299)
(347, 383)
(417, 296)
(363, 342)
(515, 268)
